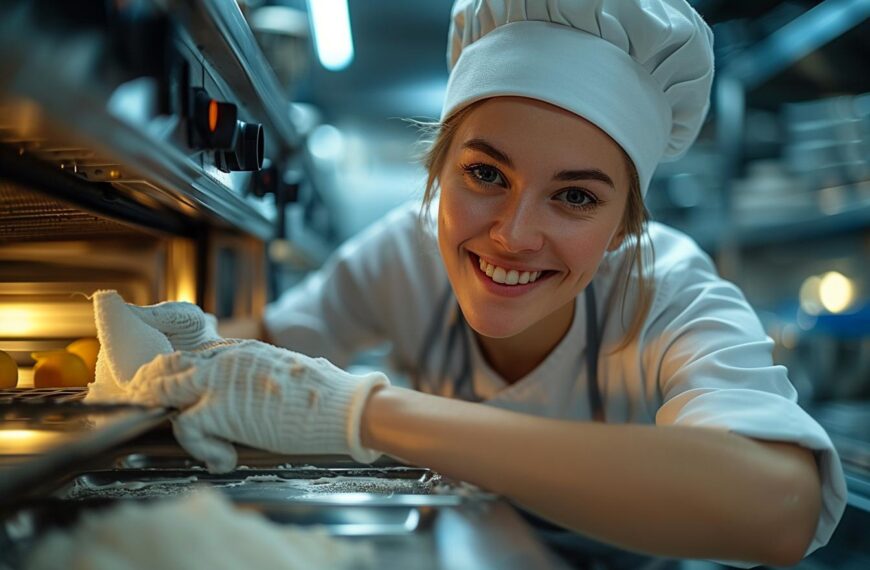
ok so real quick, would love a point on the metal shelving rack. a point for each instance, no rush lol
(747, 71)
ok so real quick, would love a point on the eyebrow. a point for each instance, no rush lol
(563, 175)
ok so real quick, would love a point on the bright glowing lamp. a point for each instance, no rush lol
(332, 35)
(836, 292)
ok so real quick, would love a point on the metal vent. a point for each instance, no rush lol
(29, 216)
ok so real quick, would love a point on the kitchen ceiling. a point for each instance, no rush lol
(399, 68)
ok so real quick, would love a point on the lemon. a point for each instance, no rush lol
(8, 371)
(86, 349)
(59, 369)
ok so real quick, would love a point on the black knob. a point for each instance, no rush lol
(265, 181)
(247, 154)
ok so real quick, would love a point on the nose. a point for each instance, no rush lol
(517, 226)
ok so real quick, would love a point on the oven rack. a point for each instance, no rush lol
(42, 395)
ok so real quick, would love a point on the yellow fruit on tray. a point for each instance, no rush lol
(8, 371)
(59, 369)
(86, 349)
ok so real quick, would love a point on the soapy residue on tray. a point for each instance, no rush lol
(83, 488)
(203, 530)
(271, 484)
(373, 485)
(280, 467)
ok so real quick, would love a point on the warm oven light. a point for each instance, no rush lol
(181, 271)
(16, 321)
(47, 320)
(28, 441)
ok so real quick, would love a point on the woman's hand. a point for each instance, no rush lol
(260, 395)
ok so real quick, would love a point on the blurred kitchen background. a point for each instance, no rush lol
(776, 189)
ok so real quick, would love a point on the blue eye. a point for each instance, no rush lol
(577, 198)
(484, 173)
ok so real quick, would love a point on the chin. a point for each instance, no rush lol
(494, 326)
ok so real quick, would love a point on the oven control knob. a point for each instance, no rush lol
(215, 121)
(247, 154)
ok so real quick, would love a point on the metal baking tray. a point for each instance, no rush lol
(171, 456)
(21, 531)
(45, 435)
(351, 502)
(405, 486)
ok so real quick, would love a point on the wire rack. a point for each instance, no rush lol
(27, 216)
(42, 395)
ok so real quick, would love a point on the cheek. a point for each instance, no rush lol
(461, 215)
(581, 247)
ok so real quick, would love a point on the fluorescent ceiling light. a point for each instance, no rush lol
(332, 36)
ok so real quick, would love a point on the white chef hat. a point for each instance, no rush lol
(640, 70)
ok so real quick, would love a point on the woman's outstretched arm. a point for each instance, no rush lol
(668, 491)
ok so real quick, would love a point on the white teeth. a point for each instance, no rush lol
(499, 275)
(508, 276)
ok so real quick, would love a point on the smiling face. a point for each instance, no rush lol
(532, 196)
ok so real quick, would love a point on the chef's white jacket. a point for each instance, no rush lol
(702, 357)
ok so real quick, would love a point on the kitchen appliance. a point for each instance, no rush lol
(128, 136)
(130, 168)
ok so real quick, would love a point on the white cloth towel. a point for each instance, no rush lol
(126, 343)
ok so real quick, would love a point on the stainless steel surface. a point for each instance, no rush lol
(352, 520)
(235, 53)
(848, 424)
(40, 396)
(27, 215)
(158, 451)
(803, 35)
(38, 441)
(388, 486)
(151, 167)
(83, 121)
(43, 201)
(410, 516)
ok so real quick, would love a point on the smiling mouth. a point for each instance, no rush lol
(509, 277)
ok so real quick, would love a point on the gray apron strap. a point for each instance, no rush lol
(435, 326)
(464, 383)
(593, 345)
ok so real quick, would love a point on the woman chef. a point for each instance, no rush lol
(582, 362)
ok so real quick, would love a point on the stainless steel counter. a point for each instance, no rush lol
(412, 517)
(45, 433)
(848, 424)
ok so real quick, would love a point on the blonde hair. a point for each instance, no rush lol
(437, 138)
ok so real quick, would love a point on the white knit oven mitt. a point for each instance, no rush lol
(259, 395)
(185, 325)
